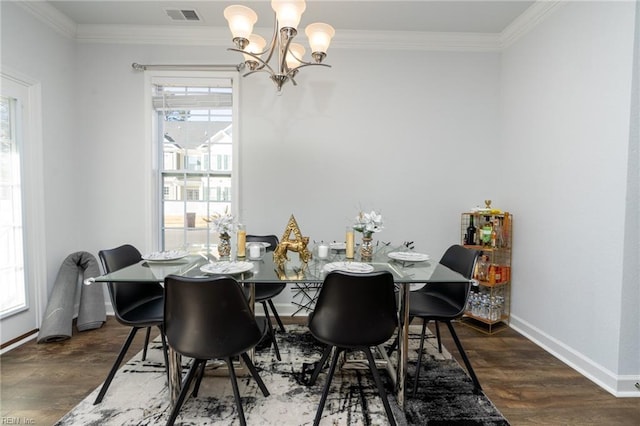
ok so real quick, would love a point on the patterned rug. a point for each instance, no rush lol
(139, 395)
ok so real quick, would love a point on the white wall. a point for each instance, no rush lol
(36, 51)
(417, 135)
(369, 134)
(320, 150)
(346, 138)
(565, 133)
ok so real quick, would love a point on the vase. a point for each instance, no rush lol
(366, 249)
(224, 246)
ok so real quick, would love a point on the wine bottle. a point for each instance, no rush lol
(470, 236)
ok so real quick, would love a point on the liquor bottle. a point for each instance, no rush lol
(506, 225)
(470, 236)
(482, 268)
(486, 232)
(494, 237)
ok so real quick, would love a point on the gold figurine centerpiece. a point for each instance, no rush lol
(297, 245)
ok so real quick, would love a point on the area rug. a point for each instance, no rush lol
(139, 395)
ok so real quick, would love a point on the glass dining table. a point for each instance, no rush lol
(406, 267)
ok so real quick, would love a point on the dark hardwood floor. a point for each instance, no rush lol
(40, 383)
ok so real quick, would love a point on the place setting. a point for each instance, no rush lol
(165, 256)
(406, 256)
(227, 267)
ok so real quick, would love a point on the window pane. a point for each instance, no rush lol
(197, 158)
(11, 248)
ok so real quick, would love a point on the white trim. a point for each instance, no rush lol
(344, 39)
(617, 385)
(416, 41)
(236, 205)
(528, 20)
(51, 16)
(21, 342)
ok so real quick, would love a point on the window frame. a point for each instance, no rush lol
(154, 185)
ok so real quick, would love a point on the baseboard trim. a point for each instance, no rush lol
(617, 385)
(27, 337)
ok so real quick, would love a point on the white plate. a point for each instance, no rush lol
(263, 244)
(226, 267)
(165, 256)
(408, 256)
(356, 267)
(338, 246)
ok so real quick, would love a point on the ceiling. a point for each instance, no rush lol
(474, 16)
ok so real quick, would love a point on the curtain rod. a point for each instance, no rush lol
(140, 67)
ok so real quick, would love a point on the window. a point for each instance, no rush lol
(11, 244)
(195, 146)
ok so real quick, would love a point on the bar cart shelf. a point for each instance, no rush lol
(489, 305)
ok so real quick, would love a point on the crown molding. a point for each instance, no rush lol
(378, 40)
(51, 16)
(159, 35)
(416, 41)
(528, 20)
(345, 39)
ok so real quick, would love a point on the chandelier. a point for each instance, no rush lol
(257, 55)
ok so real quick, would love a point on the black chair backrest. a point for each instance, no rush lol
(129, 295)
(355, 310)
(208, 318)
(462, 260)
(271, 239)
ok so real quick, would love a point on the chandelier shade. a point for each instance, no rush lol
(288, 56)
(241, 20)
(288, 13)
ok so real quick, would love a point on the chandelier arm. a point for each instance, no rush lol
(311, 64)
(282, 67)
(305, 64)
(258, 70)
(256, 57)
(274, 40)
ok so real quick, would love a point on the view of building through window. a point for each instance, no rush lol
(195, 129)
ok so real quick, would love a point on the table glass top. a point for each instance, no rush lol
(294, 271)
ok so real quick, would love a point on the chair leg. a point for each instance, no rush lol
(254, 373)
(275, 314)
(165, 351)
(381, 391)
(325, 392)
(438, 337)
(183, 391)
(116, 365)
(271, 332)
(146, 344)
(463, 354)
(419, 365)
(393, 346)
(236, 392)
(323, 360)
(196, 388)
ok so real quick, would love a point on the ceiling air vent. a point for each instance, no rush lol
(182, 15)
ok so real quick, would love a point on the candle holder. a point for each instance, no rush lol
(322, 250)
(256, 251)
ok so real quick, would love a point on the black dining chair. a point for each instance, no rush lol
(445, 302)
(137, 305)
(210, 318)
(265, 292)
(353, 312)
